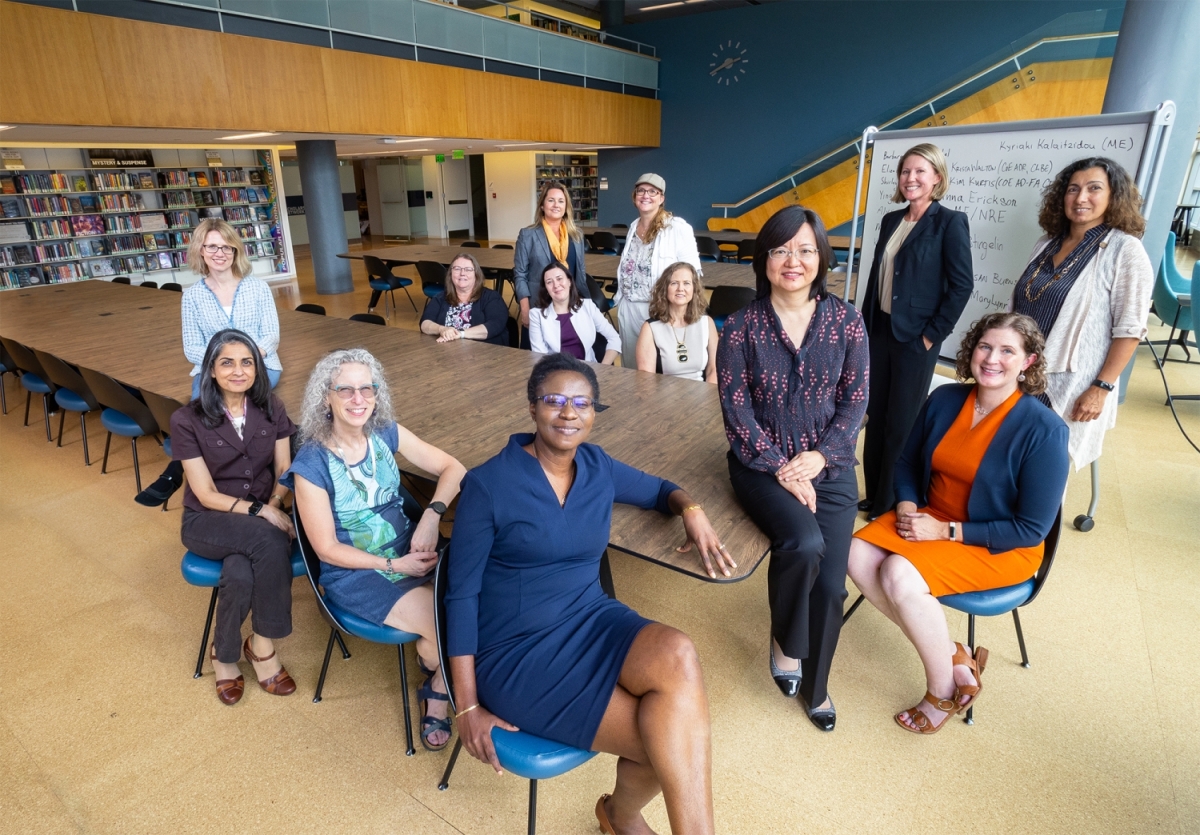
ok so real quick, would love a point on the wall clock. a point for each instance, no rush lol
(729, 64)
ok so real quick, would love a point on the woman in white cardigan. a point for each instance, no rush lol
(657, 240)
(562, 321)
(1088, 286)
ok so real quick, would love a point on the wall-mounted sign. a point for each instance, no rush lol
(295, 204)
(214, 159)
(457, 155)
(439, 157)
(12, 160)
(604, 183)
(120, 158)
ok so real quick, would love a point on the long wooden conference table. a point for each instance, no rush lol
(721, 236)
(465, 397)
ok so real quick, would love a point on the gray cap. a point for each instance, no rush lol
(652, 180)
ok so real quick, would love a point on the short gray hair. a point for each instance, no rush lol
(315, 419)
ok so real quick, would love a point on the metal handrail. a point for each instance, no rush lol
(640, 48)
(854, 143)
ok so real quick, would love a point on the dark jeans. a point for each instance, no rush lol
(256, 575)
(900, 376)
(806, 579)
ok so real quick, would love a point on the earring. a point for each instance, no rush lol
(1021, 377)
(329, 414)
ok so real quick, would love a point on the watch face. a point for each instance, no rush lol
(255, 508)
(438, 508)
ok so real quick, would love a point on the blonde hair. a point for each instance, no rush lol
(452, 291)
(195, 258)
(660, 307)
(568, 217)
(933, 155)
(661, 219)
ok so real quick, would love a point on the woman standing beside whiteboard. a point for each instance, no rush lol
(1088, 285)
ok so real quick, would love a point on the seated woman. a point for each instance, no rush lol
(233, 442)
(678, 332)
(468, 310)
(562, 321)
(374, 562)
(979, 484)
(535, 643)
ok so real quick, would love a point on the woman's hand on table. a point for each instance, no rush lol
(804, 467)
(1089, 405)
(277, 518)
(701, 534)
(449, 335)
(916, 526)
(475, 731)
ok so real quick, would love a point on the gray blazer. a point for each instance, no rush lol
(532, 255)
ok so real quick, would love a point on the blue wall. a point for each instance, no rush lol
(817, 73)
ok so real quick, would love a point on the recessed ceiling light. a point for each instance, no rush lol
(389, 141)
(520, 144)
(661, 6)
(250, 135)
(7, 127)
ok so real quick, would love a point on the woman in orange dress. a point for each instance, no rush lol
(979, 486)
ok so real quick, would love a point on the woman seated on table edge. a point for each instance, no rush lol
(979, 486)
(375, 562)
(563, 321)
(679, 333)
(226, 296)
(535, 643)
(468, 310)
(233, 441)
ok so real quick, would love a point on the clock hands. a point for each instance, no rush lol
(729, 62)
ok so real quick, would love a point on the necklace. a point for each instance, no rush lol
(1083, 247)
(681, 351)
(980, 411)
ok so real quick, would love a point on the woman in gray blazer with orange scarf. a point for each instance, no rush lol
(919, 284)
(536, 250)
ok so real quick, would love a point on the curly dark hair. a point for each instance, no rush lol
(1033, 343)
(1124, 203)
(780, 228)
(552, 364)
(210, 405)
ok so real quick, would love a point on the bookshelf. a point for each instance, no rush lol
(578, 173)
(64, 219)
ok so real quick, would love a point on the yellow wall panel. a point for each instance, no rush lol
(275, 85)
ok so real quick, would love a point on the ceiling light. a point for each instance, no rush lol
(520, 144)
(250, 135)
(389, 141)
(7, 127)
(661, 6)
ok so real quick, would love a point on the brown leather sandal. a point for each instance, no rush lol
(976, 666)
(920, 722)
(602, 816)
(229, 690)
(280, 684)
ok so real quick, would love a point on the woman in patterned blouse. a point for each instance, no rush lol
(468, 310)
(792, 375)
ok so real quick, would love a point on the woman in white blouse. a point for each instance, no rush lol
(678, 333)
(656, 240)
(562, 321)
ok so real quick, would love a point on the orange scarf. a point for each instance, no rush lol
(560, 243)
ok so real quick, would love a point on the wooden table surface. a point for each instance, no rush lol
(464, 397)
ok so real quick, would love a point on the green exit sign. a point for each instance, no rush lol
(457, 155)
(439, 157)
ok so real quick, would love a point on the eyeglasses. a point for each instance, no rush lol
(213, 249)
(580, 404)
(348, 392)
(463, 270)
(803, 254)
(647, 192)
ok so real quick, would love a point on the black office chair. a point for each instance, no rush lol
(172, 286)
(7, 366)
(708, 249)
(726, 300)
(153, 285)
(33, 379)
(604, 243)
(433, 279)
(745, 250)
(310, 308)
(123, 414)
(121, 279)
(471, 244)
(162, 408)
(502, 246)
(369, 318)
(381, 280)
(596, 293)
(995, 602)
(73, 395)
(729, 250)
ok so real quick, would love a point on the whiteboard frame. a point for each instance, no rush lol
(1158, 124)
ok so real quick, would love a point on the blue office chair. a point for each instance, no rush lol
(381, 280)
(521, 753)
(206, 573)
(340, 620)
(433, 279)
(604, 243)
(726, 300)
(7, 366)
(995, 602)
(1169, 285)
(708, 250)
(33, 379)
(73, 395)
(124, 415)
(162, 408)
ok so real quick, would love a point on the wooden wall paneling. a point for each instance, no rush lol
(435, 98)
(50, 68)
(364, 93)
(168, 76)
(275, 85)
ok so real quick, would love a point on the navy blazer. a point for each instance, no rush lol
(931, 275)
(533, 255)
(1020, 482)
(489, 309)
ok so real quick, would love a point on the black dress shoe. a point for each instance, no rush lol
(163, 487)
(788, 681)
(864, 505)
(824, 718)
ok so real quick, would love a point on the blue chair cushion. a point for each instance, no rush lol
(535, 758)
(167, 448)
(432, 291)
(34, 383)
(719, 322)
(71, 401)
(120, 423)
(991, 602)
(379, 284)
(366, 630)
(200, 571)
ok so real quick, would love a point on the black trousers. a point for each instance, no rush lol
(256, 575)
(900, 375)
(806, 578)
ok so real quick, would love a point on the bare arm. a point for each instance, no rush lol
(450, 474)
(200, 480)
(1091, 402)
(646, 352)
(710, 374)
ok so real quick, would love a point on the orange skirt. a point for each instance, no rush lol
(953, 567)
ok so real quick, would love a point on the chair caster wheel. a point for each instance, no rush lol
(1084, 523)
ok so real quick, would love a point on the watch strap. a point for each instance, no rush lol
(255, 507)
(1101, 384)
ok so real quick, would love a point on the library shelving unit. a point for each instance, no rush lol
(63, 218)
(578, 173)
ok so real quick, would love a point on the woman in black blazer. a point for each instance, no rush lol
(467, 310)
(920, 282)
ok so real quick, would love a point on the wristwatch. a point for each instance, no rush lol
(255, 507)
(1100, 383)
(438, 508)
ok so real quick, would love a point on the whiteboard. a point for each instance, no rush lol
(997, 173)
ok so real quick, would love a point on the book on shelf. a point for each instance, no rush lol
(204, 198)
(11, 233)
(164, 261)
(79, 183)
(145, 180)
(90, 248)
(256, 178)
(210, 211)
(22, 277)
(202, 179)
(10, 208)
(8, 185)
(153, 222)
(22, 255)
(262, 213)
(148, 241)
(101, 268)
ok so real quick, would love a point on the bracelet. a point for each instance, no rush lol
(952, 524)
(276, 498)
(691, 507)
(389, 566)
(461, 713)
(235, 504)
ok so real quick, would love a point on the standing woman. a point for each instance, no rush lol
(467, 310)
(678, 333)
(1088, 287)
(562, 321)
(226, 296)
(655, 241)
(792, 377)
(920, 282)
(551, 237)
(234, 443)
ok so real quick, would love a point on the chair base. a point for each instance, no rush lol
(409, 750)
(137, 471)
(531, 825)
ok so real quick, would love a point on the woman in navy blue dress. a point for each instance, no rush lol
(534, 642)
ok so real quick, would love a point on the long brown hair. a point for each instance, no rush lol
(568, 217)
(1124, 205)
(1033, 342)
(660, 306)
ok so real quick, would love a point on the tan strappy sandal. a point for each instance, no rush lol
(921, 723)
(976, 666)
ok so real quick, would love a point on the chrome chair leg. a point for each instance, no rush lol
(342, 644)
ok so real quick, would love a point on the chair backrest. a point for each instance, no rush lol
(471, 244)
(432, 274)
(620, 226)
(153, 285)
(64, 376)
(369, 318)
(1174, 277)
(376, 268)
(726, 299)
(707, 247)
(1048, 551)
(514, 333)
(24, 359)
(440, 581)
(310, 308)
(162, 408)
(121, 279)
(746, 248)
(597, 295)
(605, 241)
(172, 286)
(113, 395)
(502, 246)
(1166, 298)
